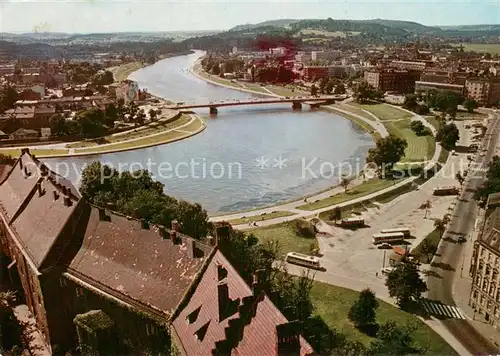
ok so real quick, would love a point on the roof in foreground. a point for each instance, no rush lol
(491, 232)
(222, 305)
(120, 256)
(29, 205)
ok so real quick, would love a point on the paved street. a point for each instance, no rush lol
(450, 254)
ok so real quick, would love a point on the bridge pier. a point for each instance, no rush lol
(213, 110)
(296, 105)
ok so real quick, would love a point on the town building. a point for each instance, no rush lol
(302, 57)
(394, 80)
(311, 73)
(484, 270)
(325, 55)
(408, 65)
(121, 285)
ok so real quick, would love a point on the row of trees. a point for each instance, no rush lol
(388, 151)
(492, 184)
(329, 85)
(8, 96)
(94, 122)
(364, 92)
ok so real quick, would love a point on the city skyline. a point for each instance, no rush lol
(157, 16)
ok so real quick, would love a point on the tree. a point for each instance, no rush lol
(427, 205)
(428, 249)
(140, 117)
(440, 226)
(492, 184)
(388, 151)
(410, 102)
(152, 114)
(363, 311)
(404, 283)
(460, 178)
(8, 96)
(340, 89)
(394, 340)
(470, 105)
(448, 135)
(58, 125)
(314, 90)
(344, 182)
(418, 127)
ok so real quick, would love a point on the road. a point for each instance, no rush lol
(450, 253)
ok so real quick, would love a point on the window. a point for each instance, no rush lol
(150, 329)
(492, 289)
(79, 291)
(487, 270)
(478, 281)
(497, 312)
(481, 300)
(488, 306)
(485, 284)
(474, 295)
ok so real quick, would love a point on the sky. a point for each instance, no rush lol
(92, 16)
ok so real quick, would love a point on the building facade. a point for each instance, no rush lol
(422, 86)
(485, 268)
(485, 91)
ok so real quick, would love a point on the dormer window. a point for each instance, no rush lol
(201, 332)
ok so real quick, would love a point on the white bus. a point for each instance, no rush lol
(303, 260)
(393, 237)
(451, 190)
(355, 221)
(405, 230)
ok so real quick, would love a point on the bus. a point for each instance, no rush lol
(393, 237)
(303, 260)
(352, 222)
(451, 190)
(405, 230)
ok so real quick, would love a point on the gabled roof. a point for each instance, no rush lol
(129, 261)
(204, 323)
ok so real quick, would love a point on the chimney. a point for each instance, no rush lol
(41, 191)
(211, 240)
(161, 232)
(175, 225)
(191, 248)
(223, 299)
(102, 214)
(56, 195)
(222, 232)
(44, 171)
(256, 284)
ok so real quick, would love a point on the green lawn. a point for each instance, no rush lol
(420, 148)
(284, 91)
(123, 71)
(393, 194)
(142, 131)
(433, 238)
(384, 112)
(443, 156)
(375, 134)
(262, 217)
(349, 210)
(332, 304)
(493, 48)
(356, 110)
(433, 121)
(39, 152)
(358, 191)
(285, 234)
(144, 142)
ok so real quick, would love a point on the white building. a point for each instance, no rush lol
(325, 56)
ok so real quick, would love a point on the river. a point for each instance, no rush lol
(247, 157)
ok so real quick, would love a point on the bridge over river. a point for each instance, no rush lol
(296, 103)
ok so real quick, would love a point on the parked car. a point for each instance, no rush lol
(387, 270)
(454, 153)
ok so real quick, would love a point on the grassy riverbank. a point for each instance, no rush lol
(261, 217)
(285, 234)
(38, 152)
(122, 72)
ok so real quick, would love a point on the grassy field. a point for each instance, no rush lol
(262, 217)
(464, 115)
(284, 91)
(361, 190)
(493, 48)
(375, 134)
(433, 121)
(122, 72)
(39, 152)
(332, 304)
(384, 112)
(143, 131)
(443, 156)
(285, 234)
(144, 142)
(433, 239)
(393, 194)
(420, 148)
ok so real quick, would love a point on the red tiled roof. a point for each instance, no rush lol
(119, 254)
(259, 336)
